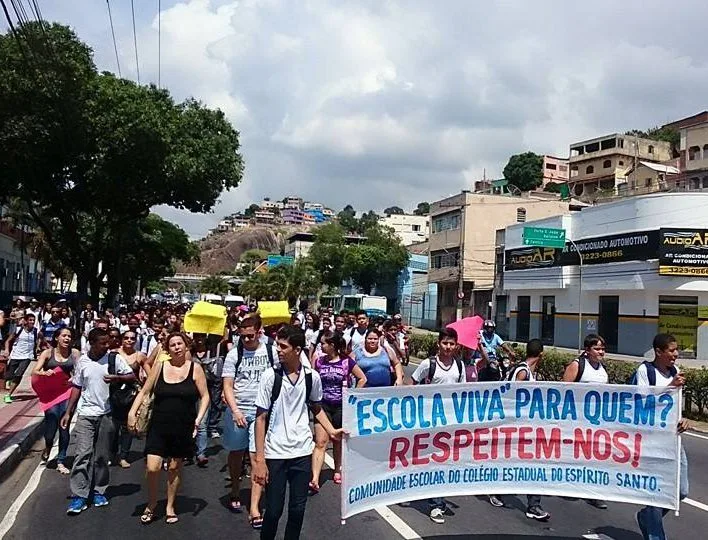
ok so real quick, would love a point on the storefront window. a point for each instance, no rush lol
(678, 316)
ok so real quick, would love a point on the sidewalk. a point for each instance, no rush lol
(20, 424)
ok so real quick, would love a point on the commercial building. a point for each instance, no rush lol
(462, 245)
(645, 270)
(410, 229)
(417, 299)
(598, 166)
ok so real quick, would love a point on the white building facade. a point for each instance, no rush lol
(645, 271)
(410, 229)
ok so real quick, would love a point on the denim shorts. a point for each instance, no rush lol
(237, 439)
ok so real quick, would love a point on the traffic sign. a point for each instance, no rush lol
(276, 260)
(544, 237)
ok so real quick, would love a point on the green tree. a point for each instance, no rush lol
(327, 253)
(151, 250)
(553, 187)
(347, 219)
(393, 210)
(214, 285)
(251, 210)
(90, 154)
(367, 221)
(283, 282)
(423, 209)
(659, 133)
(525, 171)
(379, 261)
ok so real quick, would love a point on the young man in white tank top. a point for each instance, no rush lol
(589, 368)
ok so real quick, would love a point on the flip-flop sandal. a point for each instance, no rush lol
(256, 521)
(171, 519)
(147, 517)
(235, 505)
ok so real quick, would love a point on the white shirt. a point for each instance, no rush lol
(592, 375)
(357, 339)
(643, 379)
(442, 375)
(25, 344)
(289, 435)
(250, 370)
(88, 376)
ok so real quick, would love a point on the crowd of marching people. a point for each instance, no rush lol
(273, 395)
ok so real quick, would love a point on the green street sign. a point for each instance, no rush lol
(544, 237)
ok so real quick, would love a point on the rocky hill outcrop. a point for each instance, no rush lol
(221, 252)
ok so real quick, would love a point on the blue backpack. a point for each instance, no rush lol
(651, 373)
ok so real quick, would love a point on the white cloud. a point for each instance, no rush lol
(381, 102)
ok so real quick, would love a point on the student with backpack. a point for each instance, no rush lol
(356, 335)
(662, 372)
(21, 349)
(335, 368)
(588, 367)
(284, 444)
(242, 372)
(523, 372)
(444, 368)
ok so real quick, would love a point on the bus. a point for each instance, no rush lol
(354, 302)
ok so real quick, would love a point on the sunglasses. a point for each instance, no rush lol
(129, 338)
(249, 336)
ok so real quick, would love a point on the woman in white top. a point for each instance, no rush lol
(588, 367)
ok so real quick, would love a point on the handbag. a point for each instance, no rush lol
(122, 394)
(144, 413)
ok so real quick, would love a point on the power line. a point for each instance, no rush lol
(135, 40)
(113, 33)
(159, 42)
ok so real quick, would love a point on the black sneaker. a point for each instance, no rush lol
(601, 505)
(536, 512)
(496, 501)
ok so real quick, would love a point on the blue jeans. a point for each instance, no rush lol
(52, 417)
(211, 421)
(651, 518)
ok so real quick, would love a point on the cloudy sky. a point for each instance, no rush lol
(382, 102)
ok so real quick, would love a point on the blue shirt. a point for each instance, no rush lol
(376, 368)
(491, 344)
(49, 328)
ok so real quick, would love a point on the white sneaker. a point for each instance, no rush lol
(437, 516)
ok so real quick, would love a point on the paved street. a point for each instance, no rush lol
(202, 509)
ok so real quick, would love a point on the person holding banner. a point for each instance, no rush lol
(588, 368)
(378, 362)
(284, 442)
(526, 371)
(662, 372)
(444, 368)
(335, 368)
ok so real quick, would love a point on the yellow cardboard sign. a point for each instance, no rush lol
(274, 312)
(205, 318)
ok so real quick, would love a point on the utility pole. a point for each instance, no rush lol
(580, 296)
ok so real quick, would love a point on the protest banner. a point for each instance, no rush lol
(609, 442)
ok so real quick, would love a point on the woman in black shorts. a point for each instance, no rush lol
(177, 384)
(335, 368)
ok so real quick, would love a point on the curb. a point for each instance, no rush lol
(19, 445)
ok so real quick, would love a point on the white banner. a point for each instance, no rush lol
(608, 442)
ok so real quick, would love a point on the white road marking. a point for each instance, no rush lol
(9, 519)
(696, 504)
(400, 526)
(595, 536)
(696, 435)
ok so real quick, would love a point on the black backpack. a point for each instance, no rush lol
(269, 349)
(433, 365)
(511, 376)
(651, 373)
(121, 394)
(278, 385)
